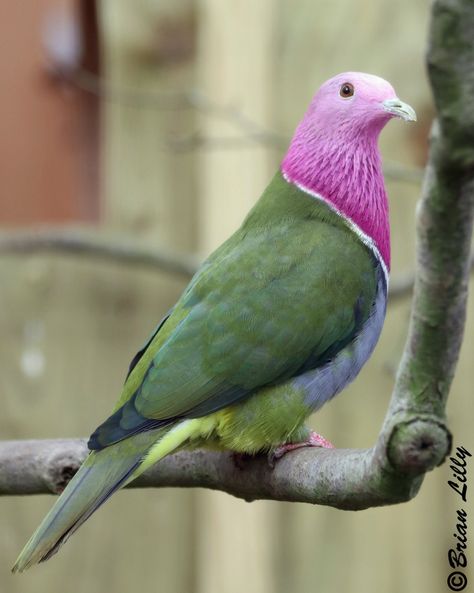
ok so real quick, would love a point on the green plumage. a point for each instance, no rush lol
(285, 294)
(288, 289)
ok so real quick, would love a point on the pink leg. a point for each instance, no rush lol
(314, 440)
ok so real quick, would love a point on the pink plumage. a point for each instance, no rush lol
(334, 151)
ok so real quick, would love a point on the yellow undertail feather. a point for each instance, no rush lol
(183, 433)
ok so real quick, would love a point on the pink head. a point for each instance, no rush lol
(334, 150)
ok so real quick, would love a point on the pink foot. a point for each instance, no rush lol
(315, 440)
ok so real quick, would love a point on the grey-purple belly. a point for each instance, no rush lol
(323, 383)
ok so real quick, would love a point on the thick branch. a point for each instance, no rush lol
(414, 438)
(346, 479)
(403, 285)
(445, 218)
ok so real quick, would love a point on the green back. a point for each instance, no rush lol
(286, 292)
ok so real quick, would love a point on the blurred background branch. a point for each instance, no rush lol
(251, 131)
(94, 244)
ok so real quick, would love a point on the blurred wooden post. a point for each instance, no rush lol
(235, 59)
(149, 191)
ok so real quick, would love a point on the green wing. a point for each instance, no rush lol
(272, 301)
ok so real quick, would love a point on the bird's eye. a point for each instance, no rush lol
(346, 90)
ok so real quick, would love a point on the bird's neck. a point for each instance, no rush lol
(347, 174)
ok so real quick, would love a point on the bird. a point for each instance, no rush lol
(276, 322)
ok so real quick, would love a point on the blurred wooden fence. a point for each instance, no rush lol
(183, 178)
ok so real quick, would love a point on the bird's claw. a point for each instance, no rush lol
(314, 440)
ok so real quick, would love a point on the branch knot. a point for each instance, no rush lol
(417, 445)
(61, 465)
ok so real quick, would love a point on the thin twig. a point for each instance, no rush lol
(251, 131)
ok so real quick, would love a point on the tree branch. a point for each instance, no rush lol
(414, 438)
(85, 243)
(403, 285)
(445, 218)
(252, 132)
(342, 478)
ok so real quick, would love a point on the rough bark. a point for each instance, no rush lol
(342, 478)
(414, 438)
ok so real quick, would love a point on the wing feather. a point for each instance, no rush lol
(259, 311)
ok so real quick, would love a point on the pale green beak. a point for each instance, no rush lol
(399, 109)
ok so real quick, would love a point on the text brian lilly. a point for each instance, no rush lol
(457, 555)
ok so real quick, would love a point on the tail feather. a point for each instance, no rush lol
(102, 474)
(94, 506)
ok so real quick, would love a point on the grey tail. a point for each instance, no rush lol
(102, 473)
